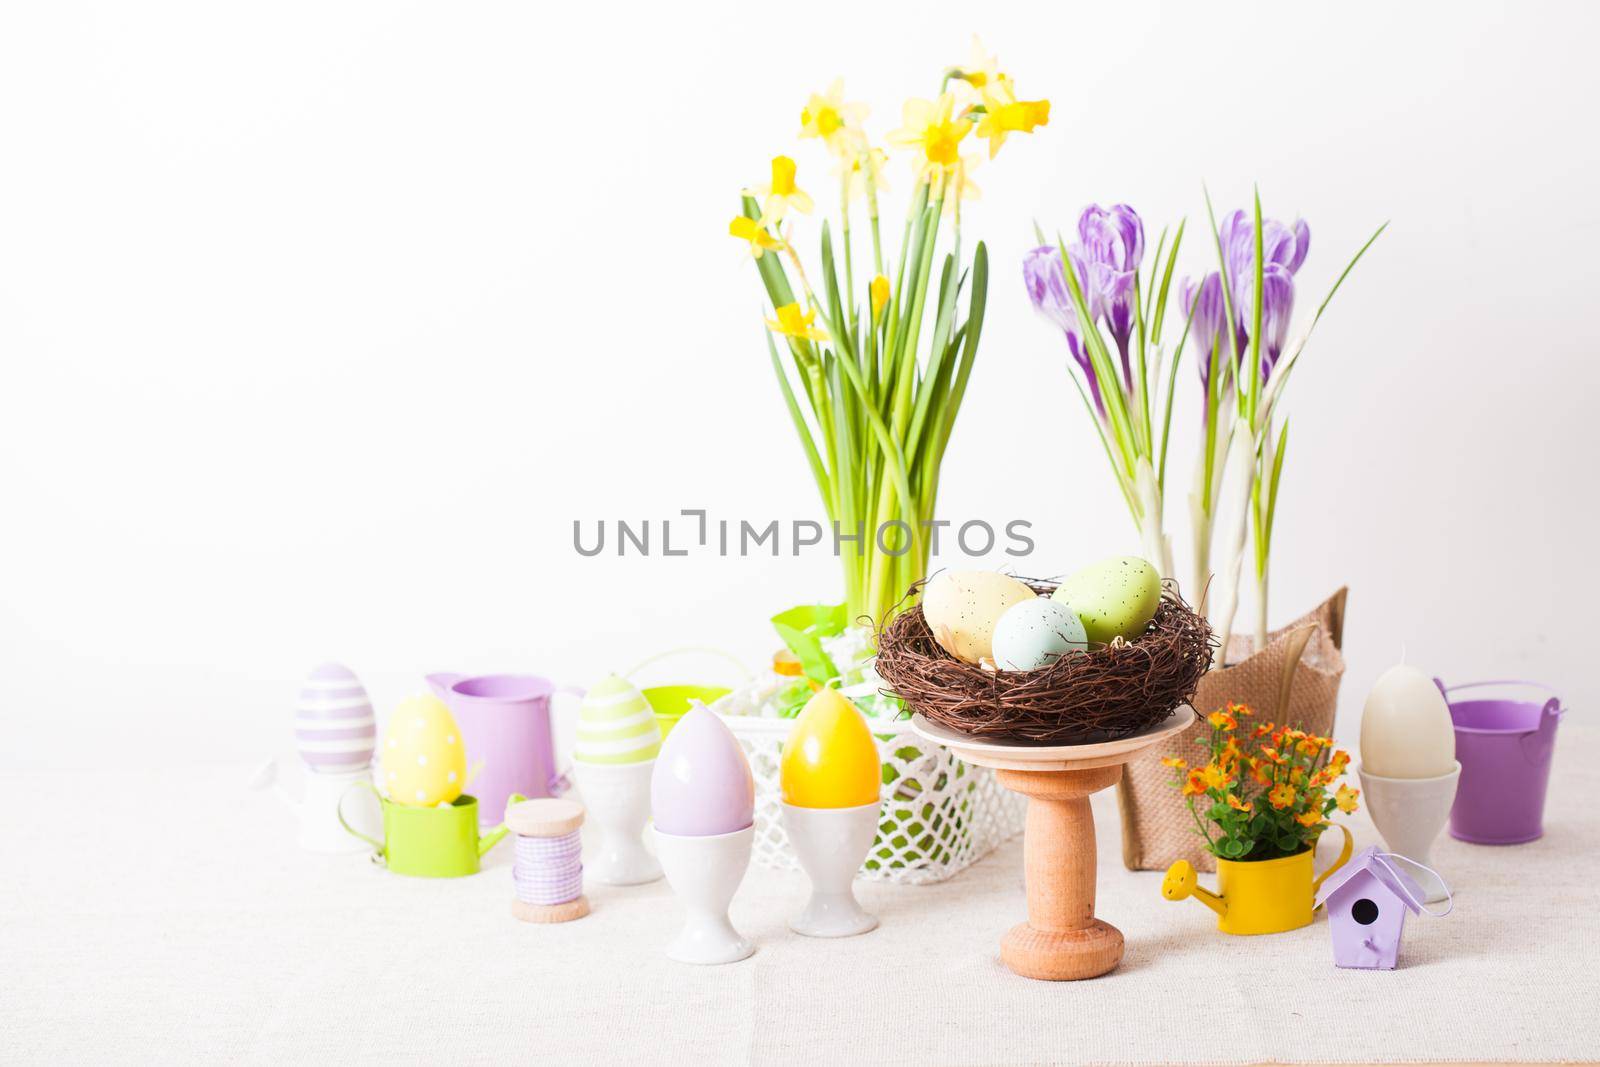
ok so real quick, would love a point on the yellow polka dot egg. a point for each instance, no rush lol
(424, 761)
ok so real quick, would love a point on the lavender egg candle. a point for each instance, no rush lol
(702, 785)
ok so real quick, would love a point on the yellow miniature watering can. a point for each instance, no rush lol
(1257, 897)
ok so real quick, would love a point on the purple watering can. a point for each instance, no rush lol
(505, 724)
(1504, 747)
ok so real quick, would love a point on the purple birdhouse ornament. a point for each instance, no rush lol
(1367, 902)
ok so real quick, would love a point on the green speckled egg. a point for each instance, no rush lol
(1114, 598)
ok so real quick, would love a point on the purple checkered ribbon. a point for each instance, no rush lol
(548, 870)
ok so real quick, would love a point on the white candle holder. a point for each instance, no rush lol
(617, 797)
(705, 872)
(831, 843)
(1409, 813)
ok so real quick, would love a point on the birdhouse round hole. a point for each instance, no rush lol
(1364, 911)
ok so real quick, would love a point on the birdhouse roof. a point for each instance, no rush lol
(1398, 882)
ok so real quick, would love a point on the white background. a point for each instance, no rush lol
(321, 323)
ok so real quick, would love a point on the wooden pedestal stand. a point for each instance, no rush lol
(1062, 940)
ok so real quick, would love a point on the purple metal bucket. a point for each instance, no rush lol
(1504, 747)
(505, 725)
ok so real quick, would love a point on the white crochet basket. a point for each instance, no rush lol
(940, 816)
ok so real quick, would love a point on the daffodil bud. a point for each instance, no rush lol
(880, 294)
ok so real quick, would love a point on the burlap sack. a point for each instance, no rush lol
(1298, 670)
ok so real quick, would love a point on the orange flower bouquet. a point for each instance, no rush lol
(1265, 791)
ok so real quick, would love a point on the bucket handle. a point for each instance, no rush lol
(690, 650)
(1554, 698)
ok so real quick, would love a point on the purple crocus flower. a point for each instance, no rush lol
(1112, 244)
(1207, 323)
(1047, 288)
(1284, 249)
(1277, 305)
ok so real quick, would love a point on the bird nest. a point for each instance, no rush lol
(1108, 692)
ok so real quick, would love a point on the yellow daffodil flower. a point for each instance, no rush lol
(857, 166)
(781, 194)
(1281, 796)
(792, 322)
(748, 229)
(1004, 114)
(959, 181)
(1346, 798)
(983, 69)
(879, 293)
(826, 116)
(931, 127)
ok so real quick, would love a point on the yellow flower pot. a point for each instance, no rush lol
(1259, 897)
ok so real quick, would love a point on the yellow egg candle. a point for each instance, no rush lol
(830, 759)
(424, 760)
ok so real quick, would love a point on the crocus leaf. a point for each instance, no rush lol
(1161, 244)
(1255, 329)
(1346, 272)
(1172, 371)
(1277, 473)
(1166, 282)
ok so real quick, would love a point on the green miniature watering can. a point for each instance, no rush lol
(437, 842)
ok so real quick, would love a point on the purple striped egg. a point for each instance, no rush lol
(334, 728)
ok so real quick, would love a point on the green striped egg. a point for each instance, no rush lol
(616, 725)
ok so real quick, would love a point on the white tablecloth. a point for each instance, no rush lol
(157, 918)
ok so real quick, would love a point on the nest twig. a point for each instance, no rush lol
(1108, 692)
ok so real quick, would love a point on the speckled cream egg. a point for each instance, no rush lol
(424, 759)
(1114, 598)
(962, 608)
(1036, 633)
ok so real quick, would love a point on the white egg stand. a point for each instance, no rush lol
(831, 843)
(617, 796)
(705, 873)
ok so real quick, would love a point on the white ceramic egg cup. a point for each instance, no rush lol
(318, 808)
(831, 844)
(705, 872)
(1409, 813)
(617, 797)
